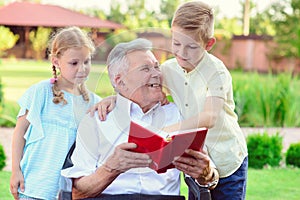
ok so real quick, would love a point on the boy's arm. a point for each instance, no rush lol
(107, 104)
(103, 107)
(18, 142)
(206, 118)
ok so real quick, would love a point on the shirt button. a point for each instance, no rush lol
(186, 105)
(185, 83)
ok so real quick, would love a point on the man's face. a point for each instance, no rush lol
(142, 82)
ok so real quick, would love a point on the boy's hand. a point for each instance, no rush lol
(164, 100)
(105, 106)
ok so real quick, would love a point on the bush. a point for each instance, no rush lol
(7, 39)
(2, 157)
(264, 150)
(293, 155)
(1, 97)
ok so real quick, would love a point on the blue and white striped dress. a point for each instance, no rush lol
(51, 133)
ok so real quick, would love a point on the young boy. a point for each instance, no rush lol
(201, 87)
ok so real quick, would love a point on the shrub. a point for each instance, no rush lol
(2, 157)
(293, 155)
(39, 40)
(1, 93)
(7, 39)
(264, 150)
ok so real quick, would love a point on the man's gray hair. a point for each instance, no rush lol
(117, 61)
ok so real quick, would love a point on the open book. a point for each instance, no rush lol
(163, 147)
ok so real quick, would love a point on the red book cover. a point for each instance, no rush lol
(161, 149)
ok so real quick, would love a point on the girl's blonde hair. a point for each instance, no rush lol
(196, 18)
(62, 40)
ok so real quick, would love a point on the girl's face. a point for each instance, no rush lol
(74, 64)
(187, 51)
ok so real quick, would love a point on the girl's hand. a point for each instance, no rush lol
(104, 107)
(16, 181)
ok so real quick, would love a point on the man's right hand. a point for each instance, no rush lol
(122, 159)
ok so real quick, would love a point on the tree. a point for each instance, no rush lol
(135, 15)
(285, 15)
(167, 9)
(261, 24)
(246, 18)
(39, 40)
(7, 39)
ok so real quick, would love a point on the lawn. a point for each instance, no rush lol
(35, 71)
(17, 76)
(266, 184)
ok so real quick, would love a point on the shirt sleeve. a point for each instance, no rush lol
(219, 84)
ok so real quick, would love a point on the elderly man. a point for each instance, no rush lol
(104, 167)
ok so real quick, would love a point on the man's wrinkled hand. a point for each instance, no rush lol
(123, 159)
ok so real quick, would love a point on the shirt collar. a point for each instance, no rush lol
(131, 108)
(200, 65)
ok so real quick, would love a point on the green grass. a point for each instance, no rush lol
(264, 100)
(266, 184)
(275, 184)
(19, 75)
(4, 186)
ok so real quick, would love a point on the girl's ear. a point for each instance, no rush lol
(54, 61)
(210, 44)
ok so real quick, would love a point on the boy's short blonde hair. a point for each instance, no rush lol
(197, 18)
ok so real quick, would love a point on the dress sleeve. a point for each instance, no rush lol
(33, 101)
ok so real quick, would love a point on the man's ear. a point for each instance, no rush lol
(118, 81)
(210, 44)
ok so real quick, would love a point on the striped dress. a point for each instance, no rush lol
(51, 133)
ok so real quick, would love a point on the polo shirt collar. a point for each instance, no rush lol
(200, 66)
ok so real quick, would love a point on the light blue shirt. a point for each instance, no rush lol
(51, 133)
(97, 139)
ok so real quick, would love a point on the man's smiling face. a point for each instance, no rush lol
(143, 80)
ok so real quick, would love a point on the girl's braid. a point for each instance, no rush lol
(58, 95)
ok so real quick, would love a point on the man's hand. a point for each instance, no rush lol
(122, 159)
(198, 166)
(105, 106)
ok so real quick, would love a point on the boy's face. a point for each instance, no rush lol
(187, 51)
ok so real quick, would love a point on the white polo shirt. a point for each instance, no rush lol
(225, 141)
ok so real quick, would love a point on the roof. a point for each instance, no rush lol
(32, 14)
(252, 37)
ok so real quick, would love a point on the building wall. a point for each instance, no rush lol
(253, 54)
(250, 53)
